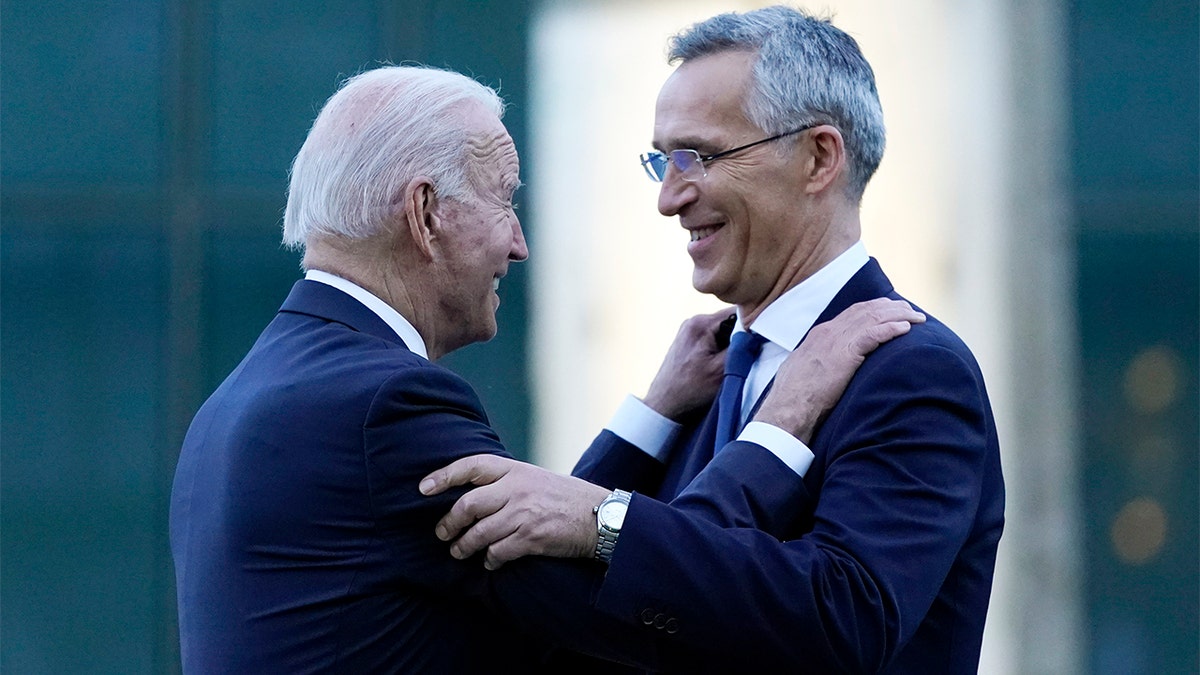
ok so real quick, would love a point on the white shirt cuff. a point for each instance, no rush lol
(789, 449)
(639, 425)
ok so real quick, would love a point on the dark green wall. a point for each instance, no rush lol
(1136, 121)
(145, 147)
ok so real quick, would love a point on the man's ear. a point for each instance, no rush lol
(826, 160)
(420, 214)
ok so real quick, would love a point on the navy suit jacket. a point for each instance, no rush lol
(301, 543)
(890, 545)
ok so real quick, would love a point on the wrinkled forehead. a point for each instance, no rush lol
(489, 144)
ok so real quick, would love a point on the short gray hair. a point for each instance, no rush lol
(807, 72)
(381, 129)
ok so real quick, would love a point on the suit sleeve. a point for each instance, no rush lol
(900, 490)
(612, 462)
(746, 485)
(422, 420)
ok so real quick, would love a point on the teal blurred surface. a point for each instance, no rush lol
(144, 147)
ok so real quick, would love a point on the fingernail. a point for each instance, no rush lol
(427, 486)
(456, 552)
(440, 530)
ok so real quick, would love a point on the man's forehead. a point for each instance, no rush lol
(495, 161)
(724, 72)
(703, 101)
(491, 139)
(480, 120)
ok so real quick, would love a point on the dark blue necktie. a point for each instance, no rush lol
(743, 352)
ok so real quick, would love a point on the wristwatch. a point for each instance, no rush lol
(610, 515)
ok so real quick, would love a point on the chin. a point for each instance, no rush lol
(488, 332)
(706, 284)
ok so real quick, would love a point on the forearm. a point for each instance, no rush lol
(747, 485)
(744, 600)
(613, 462)
(553, 599)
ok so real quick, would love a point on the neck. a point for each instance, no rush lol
(360, 263)
(809, 257)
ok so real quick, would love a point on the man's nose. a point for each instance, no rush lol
(519, 250)
(675, 193)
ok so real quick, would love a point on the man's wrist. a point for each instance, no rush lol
(644, 428)
(657, 403)
(794, 422)
(787, 448)
(610, 518)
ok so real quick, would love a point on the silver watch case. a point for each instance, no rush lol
(610, 516)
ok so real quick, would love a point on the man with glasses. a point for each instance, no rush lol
(690, 163)
(765, 138)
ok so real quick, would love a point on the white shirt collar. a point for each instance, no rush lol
(786, 320)
(405, 330)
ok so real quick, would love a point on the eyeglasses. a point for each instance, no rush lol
(691, 163)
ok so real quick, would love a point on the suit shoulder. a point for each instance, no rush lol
(929, 355)
(298, 355)
(927, 339)
(425, 385)
(422, 375)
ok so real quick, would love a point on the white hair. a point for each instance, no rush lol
(381, 129)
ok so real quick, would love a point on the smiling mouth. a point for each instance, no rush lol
(495, 283)
(704, 232)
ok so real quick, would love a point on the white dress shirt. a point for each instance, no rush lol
(783, 323)
(405, 330)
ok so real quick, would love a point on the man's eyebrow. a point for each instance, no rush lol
(515, 185)
(685, 143)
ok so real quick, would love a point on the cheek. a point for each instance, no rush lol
(501, 240)
(764, 244)
(748, 230)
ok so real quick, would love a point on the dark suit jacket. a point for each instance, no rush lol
(301, 542)
(890, 549)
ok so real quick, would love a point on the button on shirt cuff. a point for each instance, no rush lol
(639, 425)
(789, 449)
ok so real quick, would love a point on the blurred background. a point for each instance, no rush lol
(1040, 193)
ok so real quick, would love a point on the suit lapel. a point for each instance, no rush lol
(692, 456)
(867, 284)
(697, 451)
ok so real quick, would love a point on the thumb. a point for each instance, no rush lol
(476, 470)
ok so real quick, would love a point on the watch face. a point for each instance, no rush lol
(612, 514)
